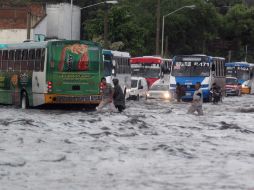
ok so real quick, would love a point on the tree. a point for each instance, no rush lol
(239, 27)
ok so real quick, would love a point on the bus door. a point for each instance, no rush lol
(39, 85)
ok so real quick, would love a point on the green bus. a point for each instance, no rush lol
(50, 72)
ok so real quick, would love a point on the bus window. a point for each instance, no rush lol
(217, 66)
(1, 54)
(108, 66)
(221, 68)
(38, 60)
(5, 60)
(24, 58)
(17, 60)
(11, 60)
(31, 60)
(129, 65)
(42, 59)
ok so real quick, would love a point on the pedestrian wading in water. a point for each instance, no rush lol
(107, 92)
(118, 96)
(197, 101)
(180, 92)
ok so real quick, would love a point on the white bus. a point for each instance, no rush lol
(117, 65)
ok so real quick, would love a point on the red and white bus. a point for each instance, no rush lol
(150, 67)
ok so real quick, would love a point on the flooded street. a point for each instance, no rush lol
(152, 145)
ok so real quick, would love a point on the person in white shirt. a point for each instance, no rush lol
(197, 101)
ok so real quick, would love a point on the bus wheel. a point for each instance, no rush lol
(24, 101)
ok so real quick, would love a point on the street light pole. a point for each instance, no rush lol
(106, 27)
(105, 18)
(163, 24)
(71, 16)
(158, 15)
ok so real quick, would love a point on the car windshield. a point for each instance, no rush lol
(231, 81)
(191, 69)
(159, 87)
(134, 83)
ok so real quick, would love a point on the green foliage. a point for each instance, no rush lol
(215, 27)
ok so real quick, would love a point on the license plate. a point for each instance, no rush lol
(188, 94)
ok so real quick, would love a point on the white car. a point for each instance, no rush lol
(159, 91)
(138, 89)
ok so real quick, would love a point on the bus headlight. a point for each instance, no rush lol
(128, 90)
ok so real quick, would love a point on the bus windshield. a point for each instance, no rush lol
(146, 72)
(108, 68)
(231, 72)
(191, 69)
(243, 73)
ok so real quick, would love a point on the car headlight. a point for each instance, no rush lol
(148, 94)
(166, 95)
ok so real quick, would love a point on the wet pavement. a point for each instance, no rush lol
(152, 145)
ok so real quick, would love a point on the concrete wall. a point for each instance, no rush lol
(41, 28)
(57, 24)
(59, 21)
(12, 35)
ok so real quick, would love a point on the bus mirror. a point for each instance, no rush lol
(213, 67)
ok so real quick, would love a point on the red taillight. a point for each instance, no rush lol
(50, 86)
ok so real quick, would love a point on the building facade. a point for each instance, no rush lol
(39, 21)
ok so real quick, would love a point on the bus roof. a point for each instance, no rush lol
(2, 45)
(237, 64)
(116, 53)
(25, 45)
(32, 45)
(199, 55)
(145, 59)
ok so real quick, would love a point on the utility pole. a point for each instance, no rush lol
(71, 18)
(106, 44)
(246, 53)
(158, 15)
(166, 47)
(29, 17)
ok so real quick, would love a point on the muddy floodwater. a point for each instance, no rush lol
(151, 146)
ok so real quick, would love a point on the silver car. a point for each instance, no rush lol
(159, 91)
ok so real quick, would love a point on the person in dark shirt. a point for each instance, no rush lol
(118, 96)
(180, 92)
(216, 93)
